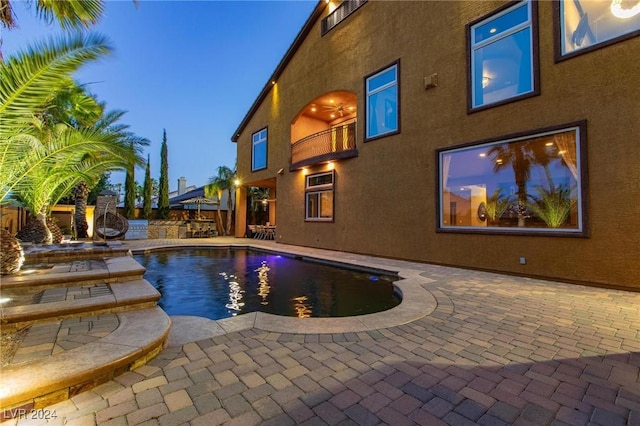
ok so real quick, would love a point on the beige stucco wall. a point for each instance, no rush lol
(385, 199)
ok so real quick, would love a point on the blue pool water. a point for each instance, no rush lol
(221, 283)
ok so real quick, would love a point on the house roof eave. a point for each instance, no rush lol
(302, 35)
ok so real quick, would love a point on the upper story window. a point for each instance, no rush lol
(503, 56)
(588, 25)
(259, 150)
(532, 184)
(340, 13)
(319, 197)
(383, 111)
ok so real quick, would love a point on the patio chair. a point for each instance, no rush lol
(260, 232)
(270, 233)
(196, 230)
(210, 229)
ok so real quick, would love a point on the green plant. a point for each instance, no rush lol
(497, 204)
(554, 205)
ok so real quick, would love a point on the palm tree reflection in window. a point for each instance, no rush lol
(552, 202)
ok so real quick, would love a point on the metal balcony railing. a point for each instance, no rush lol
(340, 14)
(335, 143)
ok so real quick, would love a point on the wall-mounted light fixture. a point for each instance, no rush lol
(431, 81)
(280, 171)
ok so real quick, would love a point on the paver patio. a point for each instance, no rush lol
(496, 350)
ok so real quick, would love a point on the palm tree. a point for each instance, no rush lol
(27, 82)
(519, 158)
(213, 189)
(496, 205)
(225, 181)
(70, 15)
(554, 205)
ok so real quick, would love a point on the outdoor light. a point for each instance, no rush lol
(236, 182)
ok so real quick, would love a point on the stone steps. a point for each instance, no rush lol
(77, 324)
(34, 384)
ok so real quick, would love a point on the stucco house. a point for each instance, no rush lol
(495, 135)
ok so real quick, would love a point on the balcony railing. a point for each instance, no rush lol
(333, 144)
(340, 14)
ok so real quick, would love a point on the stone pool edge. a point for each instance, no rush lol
(416, 303)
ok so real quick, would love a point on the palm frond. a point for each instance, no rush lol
(70, 14)
(29, 79)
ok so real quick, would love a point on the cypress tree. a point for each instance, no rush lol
(163, 190)
(130, 193)
(148, 191)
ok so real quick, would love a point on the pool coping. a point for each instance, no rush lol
(416, 302)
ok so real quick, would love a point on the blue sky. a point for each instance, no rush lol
(191, 67)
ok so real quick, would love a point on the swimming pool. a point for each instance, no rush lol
(222, 283)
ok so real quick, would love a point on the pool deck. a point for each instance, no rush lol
(464, 347)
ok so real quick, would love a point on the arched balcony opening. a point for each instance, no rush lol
(324, 130)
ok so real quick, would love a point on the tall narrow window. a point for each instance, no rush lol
(259, 150)
(382, 117)
(587, 25)
(319, 197)
(503, 56)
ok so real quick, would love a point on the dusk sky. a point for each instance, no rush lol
(191, 67)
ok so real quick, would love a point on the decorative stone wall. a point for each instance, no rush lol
(159, 229)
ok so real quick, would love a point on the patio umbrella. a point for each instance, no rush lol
(198, 201)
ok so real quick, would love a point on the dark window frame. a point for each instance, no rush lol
(535, 56)
(319, 189)
(583, 184)
(366, 138)
(558, 56)
(266, 154)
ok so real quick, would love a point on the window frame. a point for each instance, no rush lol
(254, 143)
(395, 64)
(581, 185)
(318, 190)
(557, 39)
(535, 56)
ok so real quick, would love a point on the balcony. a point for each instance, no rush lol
(340, 14)
(334, 144)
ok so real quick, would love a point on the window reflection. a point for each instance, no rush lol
(528, 183)
(502, 56)
(382, 102)
(588, 23)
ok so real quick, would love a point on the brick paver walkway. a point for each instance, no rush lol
(497, 350)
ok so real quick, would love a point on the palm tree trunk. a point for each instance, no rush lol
(80, 216)
(229, 213)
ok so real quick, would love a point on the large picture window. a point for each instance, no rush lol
(319, 197)
(526, 184)
(589, 24)
(382, 116)
(259, 150)
(503, 56)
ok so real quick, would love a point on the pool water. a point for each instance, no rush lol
(222, 283)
